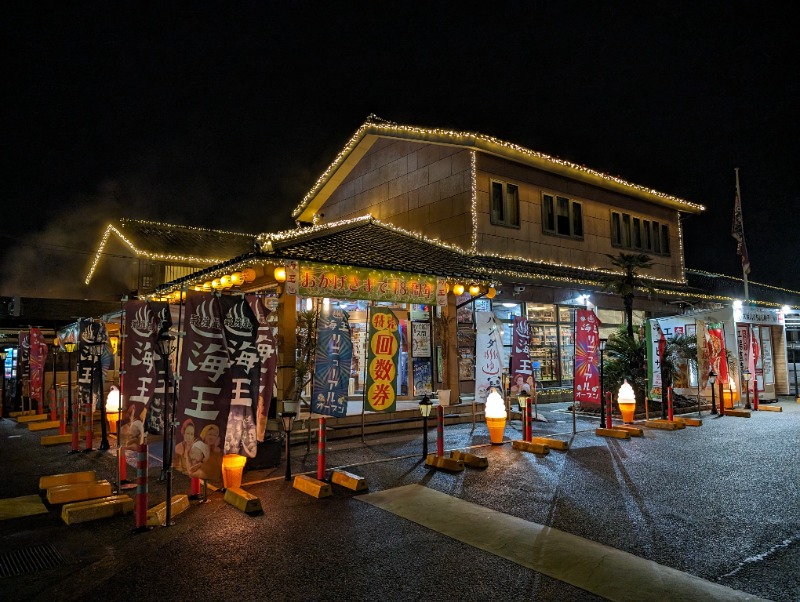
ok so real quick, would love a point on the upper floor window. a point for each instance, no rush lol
(632, 232)
(562, 216)
(504, 203)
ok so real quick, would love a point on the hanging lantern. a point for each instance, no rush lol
(207, 285)
(491, 293)
(215, 283)
(474, 289)
(458, 290)
(249, 274)
(237, 279)
(225, 282)
(280, 274)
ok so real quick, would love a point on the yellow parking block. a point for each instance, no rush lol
(738, 413)
(32, 418)
(19, 413)
(77, 492)
(243, 500)
(557, 444)
(312, 486)
(105, 507)
(769, 408)
(348, 479)
(470, 460)
(664, 425)
(56, 439)
(613, 433)
(157, 515)
(534, 448)
(67, 478)
(443, 462)
(689, 421)
(634, 431)
(44, 425)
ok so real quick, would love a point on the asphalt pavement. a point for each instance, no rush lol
(718, 502)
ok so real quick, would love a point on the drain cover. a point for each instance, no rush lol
(29, 560)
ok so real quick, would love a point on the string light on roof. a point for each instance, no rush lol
(473, 178)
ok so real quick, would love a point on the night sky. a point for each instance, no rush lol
(224, 118)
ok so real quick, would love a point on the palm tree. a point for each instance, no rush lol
(626, 361)
(625, 284)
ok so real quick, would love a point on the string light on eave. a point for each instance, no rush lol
(473, 179)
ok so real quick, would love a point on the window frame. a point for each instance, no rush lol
(510, 216)
(550, 215)
(652, 235)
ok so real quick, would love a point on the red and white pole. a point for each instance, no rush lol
(194, 489)
(755, 393)
(528, 429)
(439, 430)
(670, 413)
(141, 489)
(322, 445)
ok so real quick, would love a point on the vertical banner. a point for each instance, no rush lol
(382, 356)
(521, 367)
(292, 277)
(489, 357)
(587, 364)
(334, 355)
(38, 356)
(90, 375)
(24, 364)
(656, 345)
(268, 362)
(714, 344)
(204, 372)
(239, 323)
(441, 292)
(139, 358)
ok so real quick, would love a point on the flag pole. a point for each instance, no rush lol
(744, 268)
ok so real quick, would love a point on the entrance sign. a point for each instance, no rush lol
(334, 356)
(341, 282)
(382, 355)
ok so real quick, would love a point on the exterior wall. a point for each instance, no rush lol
(418, 187)
(529, 241)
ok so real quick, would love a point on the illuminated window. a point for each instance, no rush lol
(504, 203)
(561, 216)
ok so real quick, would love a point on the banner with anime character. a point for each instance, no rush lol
(521, 368)
(587, 364)
(38, 356)
(332, 363)
(163, 385)
(268, 362)
(204, 377)
(383, 349)
(241, 382)
(714, 350)
(489, 355)
(139, 359)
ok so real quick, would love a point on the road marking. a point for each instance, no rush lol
(599, 569)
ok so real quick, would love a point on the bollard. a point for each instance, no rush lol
(141, 489)
(194, 489)
(76, 419)
(439, 431)
(670, 413)
(322, 442)
(53, 412)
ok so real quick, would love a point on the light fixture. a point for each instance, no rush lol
(737, 304)
(491, 292)
(215, 283)
(112, 400)
(425, 409)
(495, 413)
(69, 347)
(786, 309)
(249, 274)
(474, 289)
(712, 379)
(207, 285)
(458, 289)
(326, 303)
(287, 422)
(237, 279)
(309, 304)
(165, 344)
(280, 274)
(522, 400)
(225, 282)
(746, 375)
(626, 401)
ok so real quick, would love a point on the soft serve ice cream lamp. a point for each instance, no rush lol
(495, 412)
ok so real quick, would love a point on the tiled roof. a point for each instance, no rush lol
(728, 286)
(158, 238)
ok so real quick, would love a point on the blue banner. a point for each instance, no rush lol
(332, 364)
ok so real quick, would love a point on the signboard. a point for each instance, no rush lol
(420, 339)
(382, 357)
(489, 355)
(332, 363)
(521, 368)
(342, 282)
(587, 371)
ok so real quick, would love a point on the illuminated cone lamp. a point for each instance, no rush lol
(232, 470)
(626, 401)
(112, 408)
(495, 412)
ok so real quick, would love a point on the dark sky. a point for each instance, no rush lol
(225, 117)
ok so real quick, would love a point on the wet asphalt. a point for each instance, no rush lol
(719, 502)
